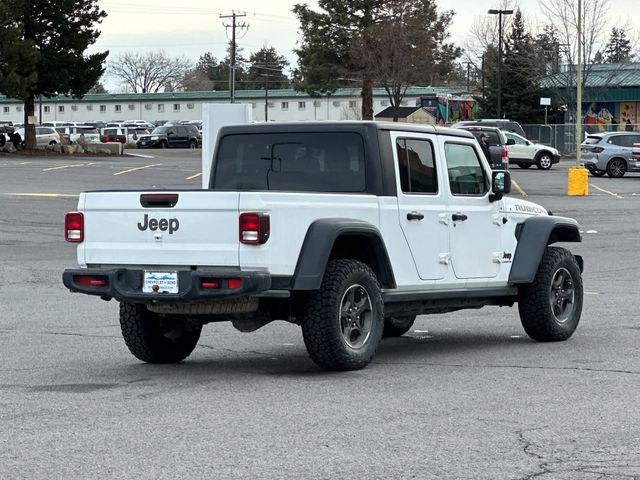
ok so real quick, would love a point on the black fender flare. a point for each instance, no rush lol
(534, 234)
(319, 243)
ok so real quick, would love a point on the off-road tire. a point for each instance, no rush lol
(155, 338)
(537, 300)
(398, 326)
(616, 168)
(524, 165)
(323, 322)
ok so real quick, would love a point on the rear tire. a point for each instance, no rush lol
(155, 338)
(398, 326)
(616, 168)
(343, 321)
(551, 306)
(597, 173)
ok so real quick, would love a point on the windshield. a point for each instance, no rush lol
(161, 130)
(310, 162)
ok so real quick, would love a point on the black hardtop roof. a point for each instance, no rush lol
(345, 125)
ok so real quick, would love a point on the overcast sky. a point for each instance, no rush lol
(192, 27)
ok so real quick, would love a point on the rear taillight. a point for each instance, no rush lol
(74, 227)
(254, 228)
(597, 150)
(92, 281)
(504, 154)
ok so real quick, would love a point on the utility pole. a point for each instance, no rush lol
(233, 26)
(500, 13)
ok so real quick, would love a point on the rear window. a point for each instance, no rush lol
(592, 140)
(494, 139)
(305, 162)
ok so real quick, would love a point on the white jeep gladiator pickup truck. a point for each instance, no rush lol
(348, 229)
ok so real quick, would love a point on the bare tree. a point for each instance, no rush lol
(407, 47)
(149, 72)
(563, 16)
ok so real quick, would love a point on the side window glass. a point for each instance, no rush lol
(466, 176)
(416, 166)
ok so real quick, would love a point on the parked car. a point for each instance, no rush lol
(140, 124)
(114, 134)
(171, 136)
(501, 123)
(44, 136)
(497, 144)
(525, 153)
(610, 153)
(91, 134)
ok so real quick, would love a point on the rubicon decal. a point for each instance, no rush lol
(162, 224)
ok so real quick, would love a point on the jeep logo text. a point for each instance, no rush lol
(162, 224)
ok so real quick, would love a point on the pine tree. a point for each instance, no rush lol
(522, 71)
(42, 51)
(618, 49)
(267, 67)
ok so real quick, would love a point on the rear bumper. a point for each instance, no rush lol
(125, 285)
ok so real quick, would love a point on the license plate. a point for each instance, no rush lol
(160, 282)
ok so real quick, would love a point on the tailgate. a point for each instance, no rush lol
(160, 228)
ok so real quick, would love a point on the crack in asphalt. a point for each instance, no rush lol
(554, 467)
(522, 367)
(254, 352)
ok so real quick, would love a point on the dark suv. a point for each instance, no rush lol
(166, 136)
(497, 144)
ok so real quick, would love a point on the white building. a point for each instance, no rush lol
(281, 105)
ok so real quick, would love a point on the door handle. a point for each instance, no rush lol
(414, 216)
(459, 217)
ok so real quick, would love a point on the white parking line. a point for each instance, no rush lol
(136, 169)
(140, 155)
(64, 166)
(194, 176)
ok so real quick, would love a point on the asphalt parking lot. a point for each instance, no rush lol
(463, 395)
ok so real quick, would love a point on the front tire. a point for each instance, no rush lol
(155, 338)
(343, 322)
(193, 144)
(616, 168)
(551, 306)
(544, 161)
(398, 326)
(164, 144)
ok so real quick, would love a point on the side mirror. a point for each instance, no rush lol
(511, 141)
(500, 184)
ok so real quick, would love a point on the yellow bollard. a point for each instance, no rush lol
(578, 181)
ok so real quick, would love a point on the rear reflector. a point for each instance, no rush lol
(254, 228)
(234, 283)
(89, 281)
(74, 227)
(208, 284)
(504, 154)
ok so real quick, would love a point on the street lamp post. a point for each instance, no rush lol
(500, 13)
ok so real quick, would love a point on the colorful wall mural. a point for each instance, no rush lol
(610, 116)
(449, 109)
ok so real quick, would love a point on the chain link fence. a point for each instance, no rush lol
(563, 136)
(559, 136)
